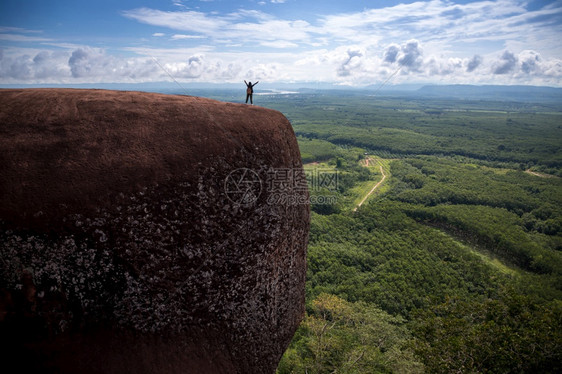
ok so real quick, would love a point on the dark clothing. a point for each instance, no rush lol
(250, 91)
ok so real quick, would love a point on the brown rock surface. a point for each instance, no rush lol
(143, 233)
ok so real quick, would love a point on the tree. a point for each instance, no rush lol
(342, 337)
(508, 334)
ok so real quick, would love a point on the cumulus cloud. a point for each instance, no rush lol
(192, 68)
(44, 65)
(351, 62)
(83, 64)
(443, 67)
(18, 68)
(530, 61)
(408, 55)
(532, 68)
(417, 39)
(78, 62)
(553, 70)
(473, 63)
(339, 47)
(48, 64)
(228, 72)
(506, 64)
(411, 55)
(265, 72)
(359, 65)
(355, 64)
(91, 63)
(391, 53)
(86, 64)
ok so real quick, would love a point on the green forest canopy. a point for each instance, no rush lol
(456, 263)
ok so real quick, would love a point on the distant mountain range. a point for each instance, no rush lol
(535, 94)
(490, 92)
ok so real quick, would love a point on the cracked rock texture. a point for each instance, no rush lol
(144, 233)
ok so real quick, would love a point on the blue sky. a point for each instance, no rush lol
(347, 42)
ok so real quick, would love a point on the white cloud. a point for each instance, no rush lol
(48, 64)
(391, 53)
(250, 26)
(353, 61)
(531, 61)
(33, 65)
(474, 63)
(178, 3)
(80, 65)
(185, 20)
(439, 24)
(444, 67)
(183, 36)
(22, 38)
(278, 44)
(479, 42)
(18, 34)
(354, 65)
(411, 55)
(93, 63)
(505, 64)
(192, 68)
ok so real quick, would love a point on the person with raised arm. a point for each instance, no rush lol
(250, 91)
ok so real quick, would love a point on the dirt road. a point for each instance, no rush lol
(372, 189)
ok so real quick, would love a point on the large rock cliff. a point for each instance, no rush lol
(148, 233)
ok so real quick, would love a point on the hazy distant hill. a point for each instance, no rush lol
(489, 92)
(533, 94)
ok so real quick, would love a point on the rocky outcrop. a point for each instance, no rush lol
(143, 233)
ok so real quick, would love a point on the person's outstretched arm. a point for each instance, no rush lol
(245, 82)
(256, 83)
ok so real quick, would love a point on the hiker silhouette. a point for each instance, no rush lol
(250, 91)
